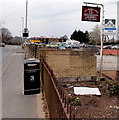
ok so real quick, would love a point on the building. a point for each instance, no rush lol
(46, 40)
(118, 21)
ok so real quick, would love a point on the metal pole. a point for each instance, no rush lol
(101, 37)
(22, 28)
(26, 12)
(117, 21)
(26, 24)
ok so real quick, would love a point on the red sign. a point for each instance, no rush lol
(90, 13)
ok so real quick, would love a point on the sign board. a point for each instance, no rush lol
(25, 33)
(90, 13)
(110, 23)
(110, 26)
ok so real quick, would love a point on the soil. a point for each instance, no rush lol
(88, 106)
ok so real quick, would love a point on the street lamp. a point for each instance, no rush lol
(26, 13)
(22, 27)
(25, 34)
(101, 36)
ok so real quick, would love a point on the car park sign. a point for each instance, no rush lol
(110, 26)
(90, 13)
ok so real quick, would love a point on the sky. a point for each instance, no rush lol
(50, 18)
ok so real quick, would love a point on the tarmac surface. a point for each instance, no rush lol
(14, 103)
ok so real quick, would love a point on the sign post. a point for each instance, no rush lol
(25, 34)
(93, 14)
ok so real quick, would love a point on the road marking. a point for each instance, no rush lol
(9, 62)
(6, 66)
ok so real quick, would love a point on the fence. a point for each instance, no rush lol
(57, 101)
(56, 64)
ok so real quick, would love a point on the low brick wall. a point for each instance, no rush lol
(70, 63)
(110, 52)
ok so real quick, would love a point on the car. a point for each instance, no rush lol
(93, 48)
(115, 47)
(2, 44)
(61, 48)
(53, 44)
(107, 47)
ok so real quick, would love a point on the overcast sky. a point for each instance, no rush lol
(50, 17)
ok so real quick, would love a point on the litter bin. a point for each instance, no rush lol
(31, 76)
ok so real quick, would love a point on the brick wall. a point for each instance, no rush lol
(71, 63)
(68, 63)
(110, 52)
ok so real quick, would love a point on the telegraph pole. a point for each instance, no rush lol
(101, 36)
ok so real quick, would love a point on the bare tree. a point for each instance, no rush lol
(95, 34)
(5, 34)
(64, 37)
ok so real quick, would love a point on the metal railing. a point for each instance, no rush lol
(57, 100)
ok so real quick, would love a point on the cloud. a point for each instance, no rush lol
(50, 17)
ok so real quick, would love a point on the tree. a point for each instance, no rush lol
(15, 40)
(95, 34)
(64, 37)
(5, 34)
(87, 37)
(80, 36)
(74, 35)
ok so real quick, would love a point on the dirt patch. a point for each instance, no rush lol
(89, 106)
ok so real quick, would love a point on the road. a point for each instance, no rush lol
(14, 103)
(7, 56)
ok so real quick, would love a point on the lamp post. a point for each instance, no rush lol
(101, 36)
(25, 34)
(22, 27)
(26, 13)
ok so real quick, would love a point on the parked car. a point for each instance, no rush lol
(61, 48)
(107, 47)
(93, 48)
(2, 44)
(115, 47)
(53, 44)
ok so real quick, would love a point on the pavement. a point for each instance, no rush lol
(14, 103)
(109, 62)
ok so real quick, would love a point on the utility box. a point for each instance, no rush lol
(31, 76)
